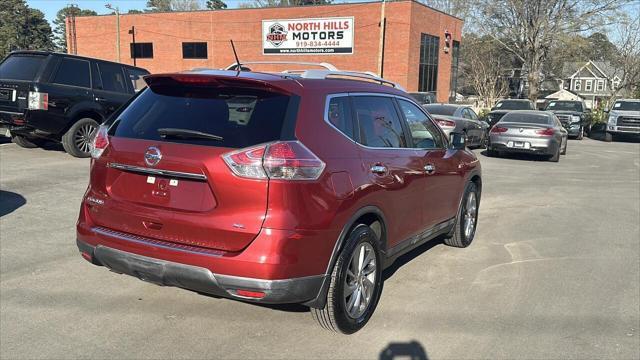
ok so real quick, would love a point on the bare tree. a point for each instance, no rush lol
(530, 28)
(483, 67)
(627, 64)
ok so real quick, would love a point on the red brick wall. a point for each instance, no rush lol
(406, 20)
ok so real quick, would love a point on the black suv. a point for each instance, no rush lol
(61, 97)
(574, 116)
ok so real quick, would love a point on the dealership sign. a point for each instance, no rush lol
(307, 36)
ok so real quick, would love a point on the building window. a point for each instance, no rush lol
(428, 70)
(194, 50)
(142, 51)
(578, 85)
(588, 85)
(455, 59)
(600, 86)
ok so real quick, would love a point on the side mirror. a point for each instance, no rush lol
(457, 141)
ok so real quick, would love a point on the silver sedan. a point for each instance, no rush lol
(529, 131)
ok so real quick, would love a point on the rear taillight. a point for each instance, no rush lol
(38, 101)
(446, 123)
(545, 132)
(283, 160)
(100, 142)
(498, 129)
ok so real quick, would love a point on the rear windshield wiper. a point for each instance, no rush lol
(187, 134)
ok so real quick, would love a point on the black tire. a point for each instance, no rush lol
(75, 140)
(491, 152)
(608, 137)
(564, 149)
(555, 157)
(580, 134)
(25, 142)
(334, 316)
(458, 237)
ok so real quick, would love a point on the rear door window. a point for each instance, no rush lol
(73, 72)
(136, 78)
(112, 77)
(339, 115)
(21, 67)
(378, 122)
(240, 117)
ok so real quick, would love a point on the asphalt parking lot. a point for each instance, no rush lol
(554, 272)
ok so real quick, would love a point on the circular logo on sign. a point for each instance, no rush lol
(277, 34)
(152, 156)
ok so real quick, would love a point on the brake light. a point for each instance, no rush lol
(446, 123)
(100, 142)
(498, 129)
(38, 101)
(545, 132)
(283, 160)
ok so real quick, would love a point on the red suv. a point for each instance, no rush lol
(274, 188)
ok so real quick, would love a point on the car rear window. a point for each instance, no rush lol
(242, 117)
(441, 109)
(515, 117)
(21, 67)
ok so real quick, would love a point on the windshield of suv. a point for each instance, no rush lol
(21, 67)
(441, 109)
(565, 106)
(234, 118)
(513, 105)
(626, 106)
(527, 118)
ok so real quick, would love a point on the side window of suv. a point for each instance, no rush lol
(73, 72)
(423, 131)
(112, 77)
(378, 122)
(136, 78)
(339, 115)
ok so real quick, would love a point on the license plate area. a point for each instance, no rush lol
(519, 145)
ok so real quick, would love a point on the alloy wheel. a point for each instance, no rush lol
(83, 137)
(359, 283)
(471, 210)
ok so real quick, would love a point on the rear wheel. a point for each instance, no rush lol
(464, 229)
(27, 143)
(556, 157)
(356, 284)
(564, 148)
(77, 140)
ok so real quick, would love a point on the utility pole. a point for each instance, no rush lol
(132, 31)
(117, 11)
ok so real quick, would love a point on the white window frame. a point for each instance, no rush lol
(588, 85)
(600, 85)
(577, 85)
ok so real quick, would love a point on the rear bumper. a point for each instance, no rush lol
(537, 145)
(169, 273)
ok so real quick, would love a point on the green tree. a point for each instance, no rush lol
(23, 28)
(60, 32)
(216, 4)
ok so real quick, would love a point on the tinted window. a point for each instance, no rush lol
(137, 78)
(441, 109)
(74, 72)
(424, 133)
(21, 67)
(378, 122)
(339, 115)
(527, 118)
(194, 50)
(626, 106)
(514, 105)
(112, 77)
(241, 117)
(565, 106)
(142, 50)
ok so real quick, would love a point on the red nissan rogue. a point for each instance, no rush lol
(275, 188)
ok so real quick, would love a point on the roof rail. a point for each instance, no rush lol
(369, 76)
(323, 64)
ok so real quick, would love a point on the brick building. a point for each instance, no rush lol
(420, 51)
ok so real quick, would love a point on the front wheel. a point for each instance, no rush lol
(464, 229)
(77, 140)
(580, 134)
(356, 284)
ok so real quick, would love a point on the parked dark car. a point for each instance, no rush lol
(424, 98)
(460, 119)
(321, 183)
(573, 115)
(526, 131)
(504, 106)
(61, 97)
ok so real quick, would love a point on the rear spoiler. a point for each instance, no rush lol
(212, 80)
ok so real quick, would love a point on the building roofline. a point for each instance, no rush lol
(274, 7)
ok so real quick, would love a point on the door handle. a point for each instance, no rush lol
(379, 169)
(100, 99)
(429, 169)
